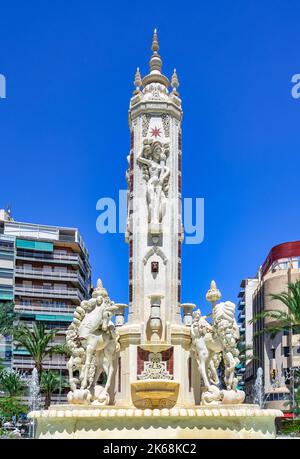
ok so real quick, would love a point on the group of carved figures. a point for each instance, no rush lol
(156, 174)
(93, 341)
(215, 349)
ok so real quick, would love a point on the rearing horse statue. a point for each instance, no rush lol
(93, 341)
(212, 342)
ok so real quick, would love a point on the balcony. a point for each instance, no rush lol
(241, 293)
(241, 305)
(49, 292)
(241, 317)
(38, 273)
(51, 257)
(61, 329)
(38, 308)
(26, 362)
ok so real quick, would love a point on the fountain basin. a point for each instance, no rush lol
(154, 393)
(181, 422)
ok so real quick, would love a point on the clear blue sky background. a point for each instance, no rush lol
(64, 137)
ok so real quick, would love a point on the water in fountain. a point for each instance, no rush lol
(34, 391)
(258, 389)
(35, 401)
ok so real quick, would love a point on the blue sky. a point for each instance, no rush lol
(64, 136)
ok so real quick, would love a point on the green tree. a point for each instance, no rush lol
(11, 406)
(7, 318)
(62, 349)
(296, 409)
(12, 386)
(50, 383)
(36, 342)
(11, 383)
(283, 320)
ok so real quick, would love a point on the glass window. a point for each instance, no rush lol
(296, 351)
(273, 353)
(286, 351)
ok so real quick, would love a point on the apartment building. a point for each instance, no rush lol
(247, 288)
(280, 355)
(6, 288)
(45, 271)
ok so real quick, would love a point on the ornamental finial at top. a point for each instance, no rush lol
(175, 82)
(137, 81)
(155, 45)
(99, 290)
(155, 61)
(155, 75)
(213, 294)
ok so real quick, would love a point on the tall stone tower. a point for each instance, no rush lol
(154, 199)
(154, 231)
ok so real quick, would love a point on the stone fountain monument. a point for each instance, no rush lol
(157, 374)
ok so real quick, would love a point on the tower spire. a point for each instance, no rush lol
(155, 61)
(155, 45)
(155, 75)
(175, 82)
(137, 81)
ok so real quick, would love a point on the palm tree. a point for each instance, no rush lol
(283, 320)
(50, 383)
(36, 342)
(11, 383)
(62, 349)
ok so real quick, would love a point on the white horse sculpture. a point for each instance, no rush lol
(211, 342)
(93, 341)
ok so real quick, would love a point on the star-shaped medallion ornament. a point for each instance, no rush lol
(155, 132)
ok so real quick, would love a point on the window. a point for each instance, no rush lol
(47, 269)
(6, 273)
(273, 353)
(60, 269)
(47, 285)
(296, 351)
(61, 252)
(60, 286)
(27, 267)
(286, 351)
